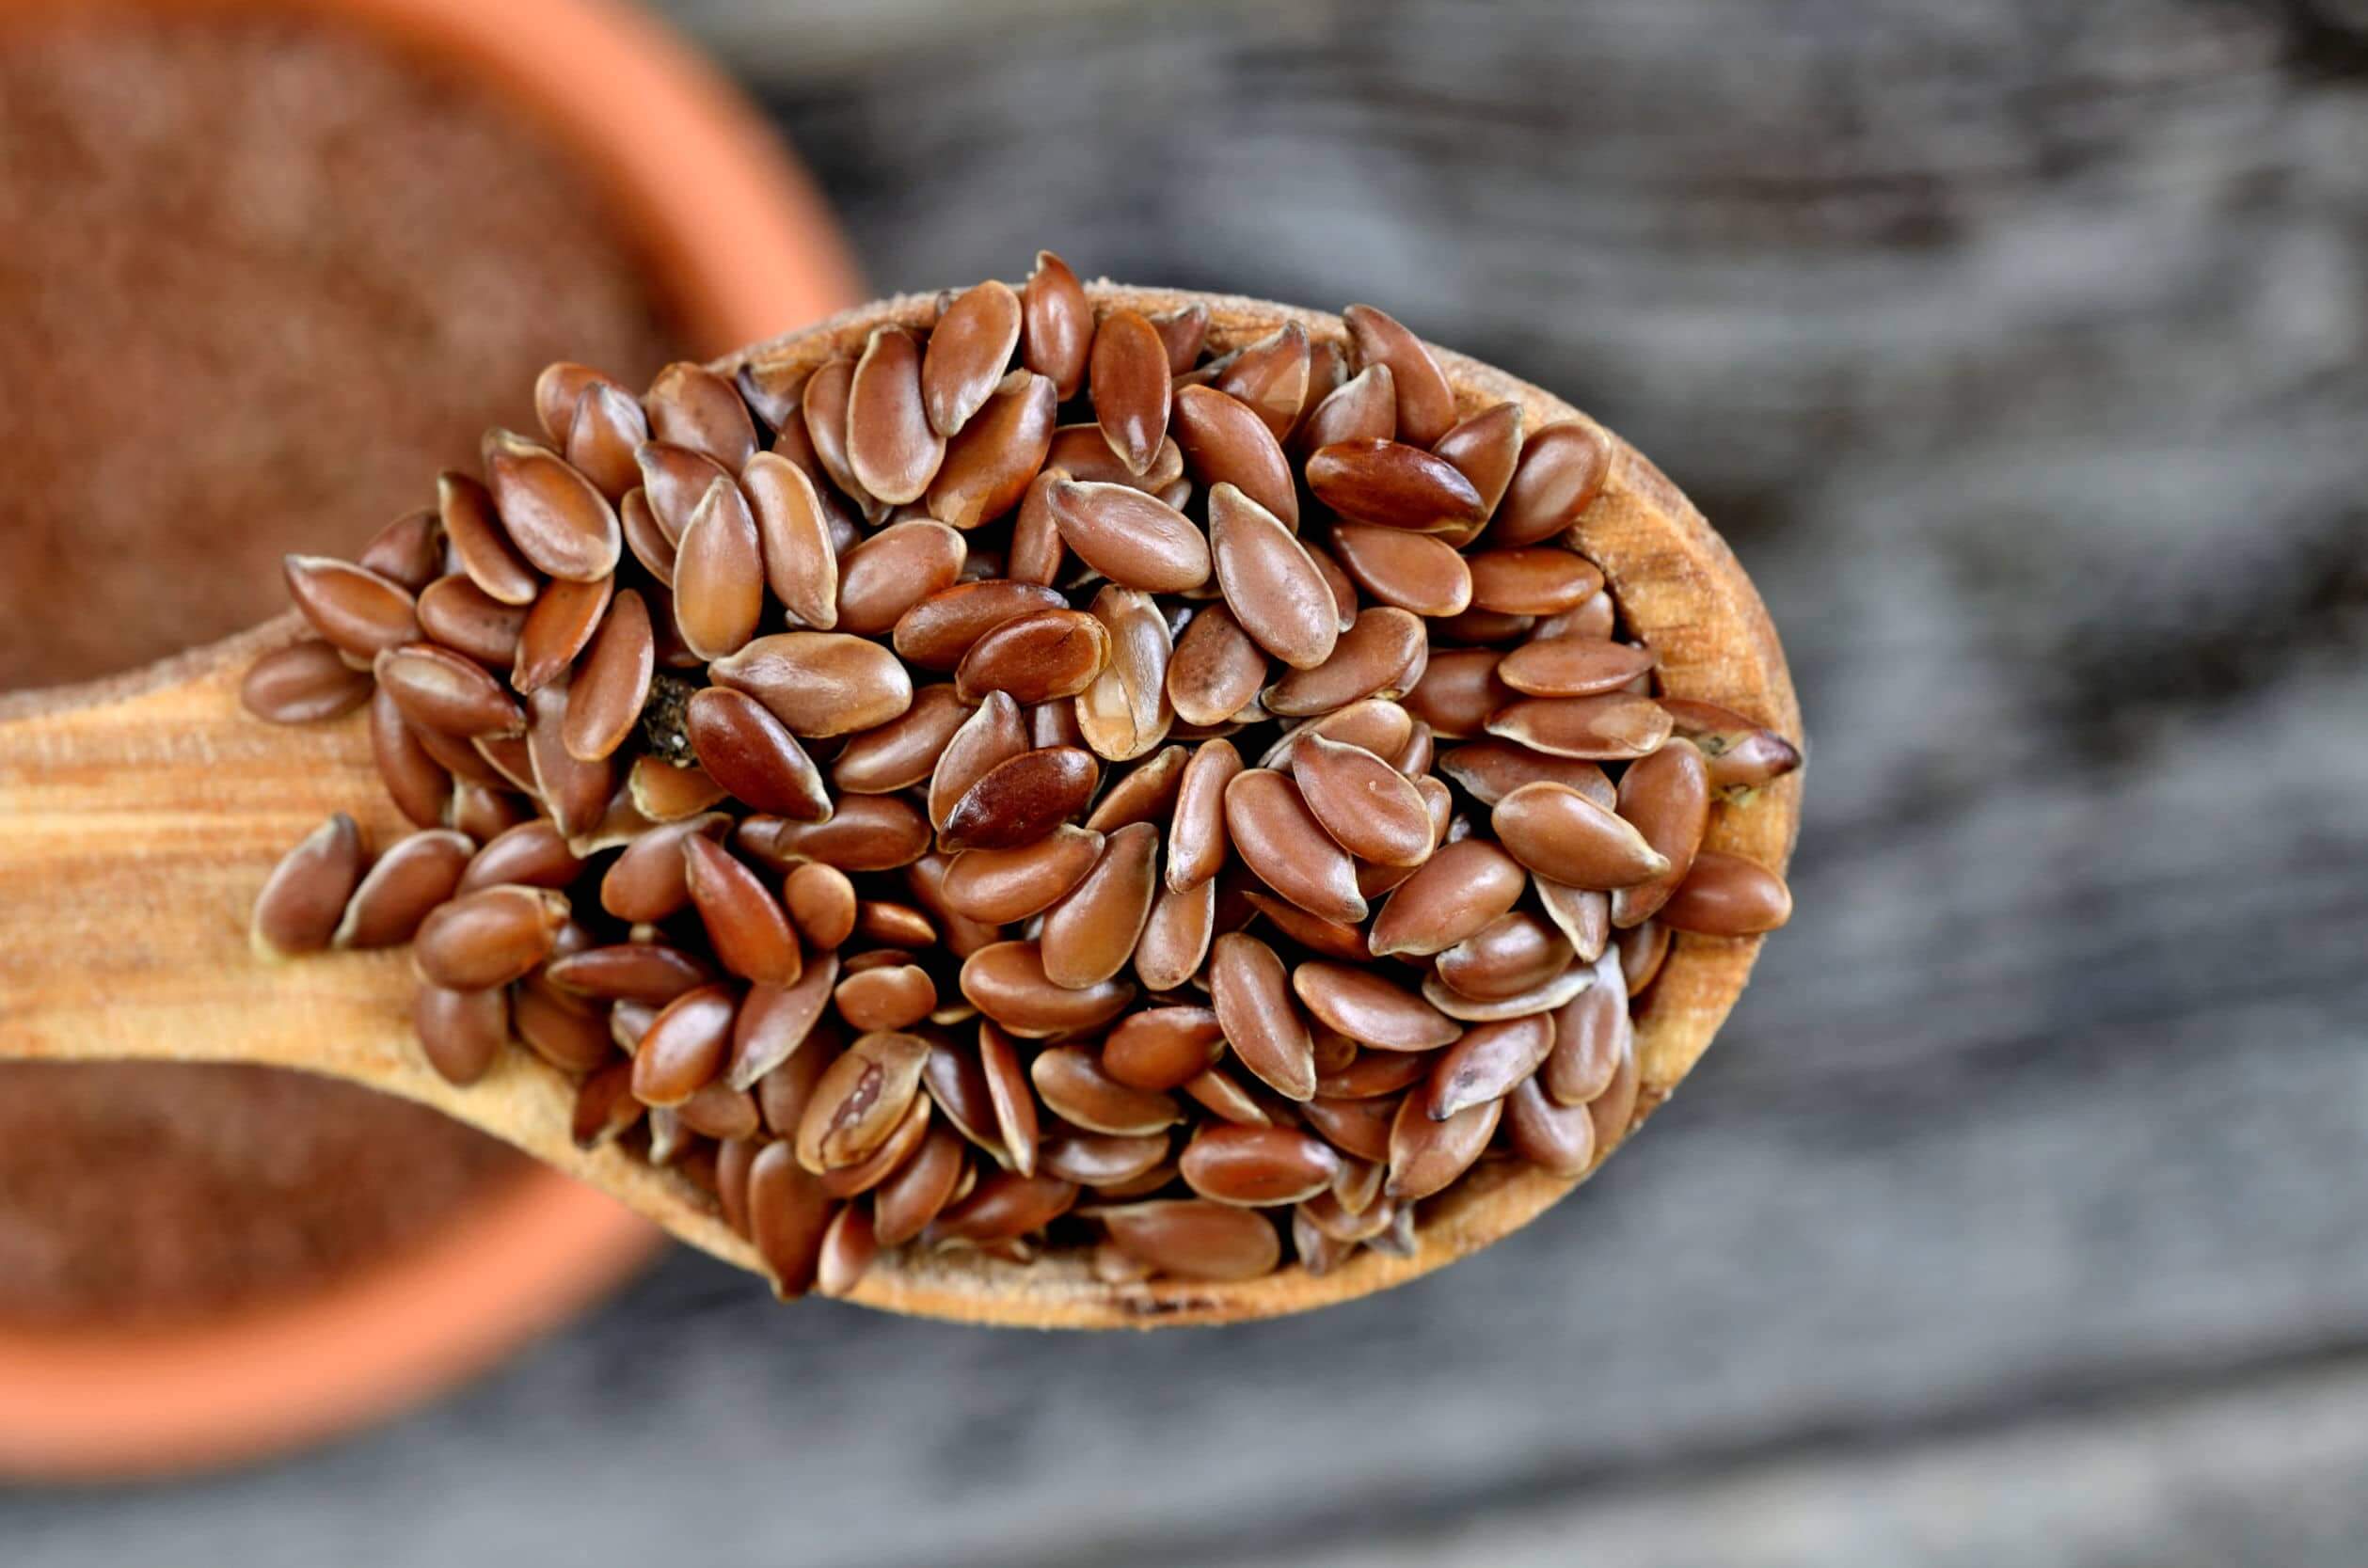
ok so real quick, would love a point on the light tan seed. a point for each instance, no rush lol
(1486, 449)
(1366, 805)
(354, 609)
(303, 683)
(904, 750)
(1561, 835)
(663, 792)
(1251, 994)
(989, 465)
(1559, 1139)
(602, 434)
(1562, 470)
(560, 624)
(1372, 658)
(1056, 324)
(820, 683)
(461, 1031)
(490, 937)
(415, 875)
(789, 1219)
(890, 445)
(465, 618)
(650, 882)
(1358, 1128)
(1194, 1239)
(1514, 953)
(1741, 755)
(894, 996)
(1257, 1167)
(1000, 886)
(1362, 408)
(1615, 726)
(1462, 887)
(1128, 375)
(1426, 1156)
(1414, 571)
(605, 700)
(559, 522)
(645, 971)
(1075, 1088)
(968, 349)
(1224, 441)
(1370, 1009)
(1271, 376)
(1010, 1095)
(1281, 841)
(1035, 657)
(1217, 670)
(746, 925)
(1573, 667)
(690, 406)
(1488, 1063)
(1162, 1048)
(1270, 582)
(1582, 916)
(1136, 540)
(867, 833)
(1019, 801)
(1002, 1207)
(1426, 403)
(719, 575)
(1125, 712)
(436, 688)
(1196, 839)
(1090, 934)
(860, 1101)
(1393, 484)
(1667, 798)
(1007, 981)
(304, 898)
(1726, 895)
(479, 542)
(1175, 940)
(410, 550)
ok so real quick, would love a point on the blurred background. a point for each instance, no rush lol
(2021, 351)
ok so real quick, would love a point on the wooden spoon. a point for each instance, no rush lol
(139, 816)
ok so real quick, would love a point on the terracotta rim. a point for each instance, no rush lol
(744, 248)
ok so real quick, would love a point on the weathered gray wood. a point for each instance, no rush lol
(2018, 1218)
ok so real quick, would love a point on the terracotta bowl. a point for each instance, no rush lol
(747, 250)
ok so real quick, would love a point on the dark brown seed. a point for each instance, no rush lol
(410, 550)
(1741, 755)
(691, 406)
(1281, 840)
(890, 445)
(1538, 999)
(576, 794)
(992, 735)
(1374, 724)
(483, 813)
(1053, 724)
(1002, 1206)
(1129, 376)
(605, 430)
(1557, 1138)
(1331, 938)
(303, 683)
(462, 616)
(895, 569)
(1345, 602)
(1143, 793)
(788, 1219)
(777, 1023)
(999, 886)
(1257, 1167)
(1426, 403)
(848, 1247)
(1426, 1156)
(1271, 376)
(1726, 895)
(1573, 667)
(1056, 324)
(1582, 916)
(1162, 1048)
(644, 538)
(1614, 1109)
(1020, 800)
(1226, 1100)
(563, 1029)
(1136, 540)
(904, 750)
(1561, 835)
(1362, 408)
(937, 632)
(1562, 470)
(304, 898)
(825, 408)
(1194, 1239)
(1217, 670)
(1492, 770)
(1183, 332)
(414, 876)
(1101, 1160)
(1381, 656)
(439, 690)
(354, 609)
(1598, 618)
(1270, 582)
(560, 626)
(1414, 571)
(957, 1082)
(1007, 981)
(559, 522)
(1224, 441)
(774, 389)
(1035, 657)
(1459, 692)
(1376, 1074)
(867, 832)
(1010, 1095)
(644, 972)
(893, 996)
(418, 784)
(1370, 1009)
(793, 535)
(490, 937)
(1511, 953)
(1667, 798)
(1175, 939)
(674, 479)
(1252, 994)
(650, 882)
(1080, 453)
(1196, 839)
(747, 751)
(604, 1108)
(461, 1031)
(1091, 933)
(1037, 553)
(719, 574)
(1366, 805)
(989, 465)
(478, 542)
(1592, 1032)
(820, 683)
(1461, 888)
(1392, 485)
(745, 924)
(1612, 727)
(1540, 581)
(1488, 1063)
(968, 349)
(1486, 449)
(605, 700)
(1075, 1088)
(903, 1205)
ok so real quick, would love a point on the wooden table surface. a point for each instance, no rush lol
(2021, 1216)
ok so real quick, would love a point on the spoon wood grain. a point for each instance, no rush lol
(138, 816)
